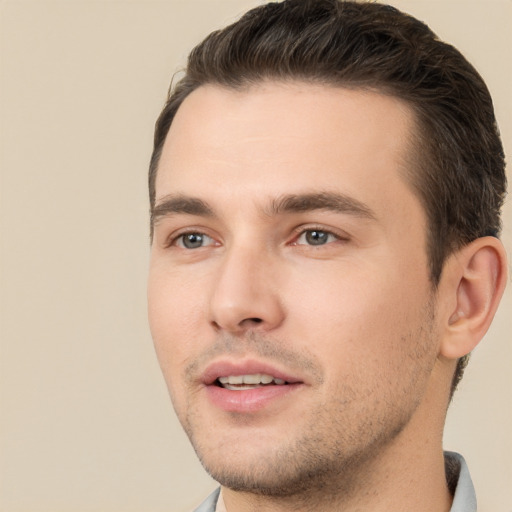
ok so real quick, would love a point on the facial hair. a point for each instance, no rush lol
(340, 437)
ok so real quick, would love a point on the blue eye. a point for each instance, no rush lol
(193, 240)
(316, 237)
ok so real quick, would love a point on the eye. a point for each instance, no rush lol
(316, 237)
(193, 240)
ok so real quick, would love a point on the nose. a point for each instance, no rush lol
(245, 294)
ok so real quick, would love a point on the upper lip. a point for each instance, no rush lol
(226, 368)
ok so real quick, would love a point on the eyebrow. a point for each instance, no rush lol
(328, 201)
(175, 205)
(289, 203)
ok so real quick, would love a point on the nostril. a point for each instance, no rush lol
(246, 323)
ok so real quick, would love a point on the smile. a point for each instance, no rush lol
(250, 381)
(248, 386)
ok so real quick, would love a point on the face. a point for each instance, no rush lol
(289, 293)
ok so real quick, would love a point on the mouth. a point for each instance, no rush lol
(241, 375)
(248, 386)
(250, 381)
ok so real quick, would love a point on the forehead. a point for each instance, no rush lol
(287, 137)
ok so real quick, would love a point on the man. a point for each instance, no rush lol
(325, 189)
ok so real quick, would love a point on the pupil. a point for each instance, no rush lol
(316, 237)
(193, 240)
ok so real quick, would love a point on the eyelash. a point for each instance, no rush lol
(175, 239)
(178, 239)
(303, 231)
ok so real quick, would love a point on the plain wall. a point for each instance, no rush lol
(86, 424)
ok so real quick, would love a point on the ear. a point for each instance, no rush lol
(472, 284)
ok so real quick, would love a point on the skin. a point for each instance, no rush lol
(355, 319)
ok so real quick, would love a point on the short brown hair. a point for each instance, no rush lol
(459, 173)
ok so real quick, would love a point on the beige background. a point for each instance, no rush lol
(85, 421)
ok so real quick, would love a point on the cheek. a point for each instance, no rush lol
(175, 315)
(356, 317)
(175, 299)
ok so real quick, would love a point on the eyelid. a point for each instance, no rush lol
(301, 230)
(206, 241)
(172, 239)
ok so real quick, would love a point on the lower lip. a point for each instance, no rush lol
(248, 400)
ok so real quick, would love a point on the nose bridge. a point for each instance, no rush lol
(244, 294)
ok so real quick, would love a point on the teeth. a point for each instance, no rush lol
(252, 380)
(265, 379)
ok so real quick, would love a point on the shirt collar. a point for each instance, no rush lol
(464, 498)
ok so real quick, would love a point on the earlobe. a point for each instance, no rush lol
(476, 277)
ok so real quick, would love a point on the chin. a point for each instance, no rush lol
(272, 478)
(270, 468)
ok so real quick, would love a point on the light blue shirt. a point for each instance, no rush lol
(464, 498)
